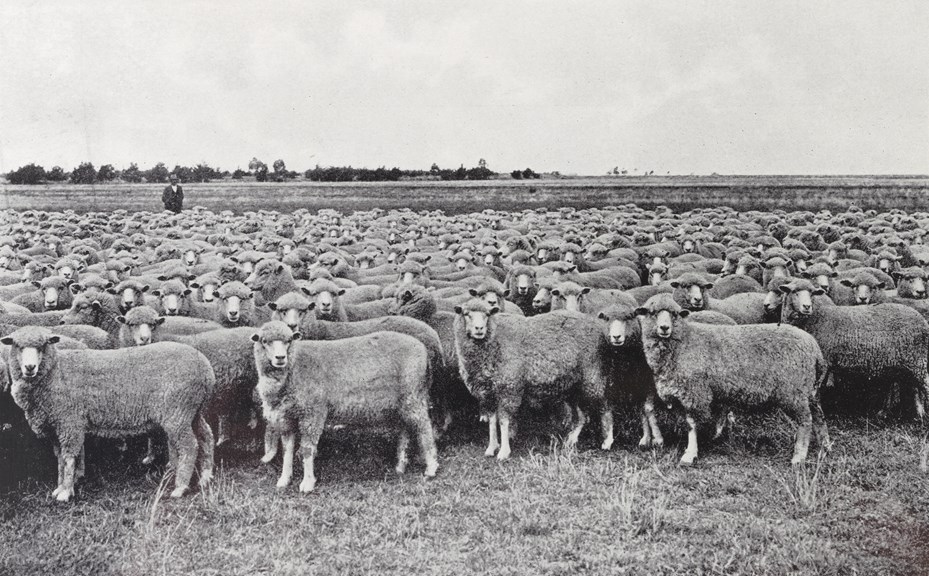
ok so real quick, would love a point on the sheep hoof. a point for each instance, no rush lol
(607, 444)
(206, 478)
(431, 469)
(645, 443)
(57, 491)
(658, 443)
(148, 460)
(484, 418)
(503, 454)
(491, 450)
(221, 440)
(64, 495)
(796, 461)
(253, 423)
(179, 491)
(307, 486)
(687, 460)
(401, 467)
(268, 457)
(283, 482)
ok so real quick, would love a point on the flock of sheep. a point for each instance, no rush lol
(208, 325)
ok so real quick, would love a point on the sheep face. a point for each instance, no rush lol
(171, 300)
(661, 318)
(141, 324)
(84, 310)
(621, 327)
(274, 341)
(232, 307)
(477, 319)
(865, 287)
(688, 246)
(798, 300)
(543, 298)
(291, 314)
(207, 291)
(657, 274)
(263, 274)
(191, 257)
(569, 296)
(692, 292)
(524, 283)
(28, 348)
(911, 283)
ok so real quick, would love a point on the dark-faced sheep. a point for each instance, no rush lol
(302, 385)
(706, 368)
(552, 358)
(121, 392)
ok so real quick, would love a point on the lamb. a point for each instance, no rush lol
(382, 376)
(883, 340)
(507, 360)
(121, 392)
(705, 369)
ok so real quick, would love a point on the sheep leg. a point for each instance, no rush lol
(426, 440)
(690, 454)
(287, 468)
(819, 425)
(222, 423)
(803, 437)
(721, 417)
(149, 454)
(186, 445)
(504, 420)
(310, 431)
(66, 490)
(403, 443)
(649, 407)
(646, 439)
(61, 469)
(493, 444)
(204, 450)
(271, 438)
(575, 433)
(606, 427)
(80, 462)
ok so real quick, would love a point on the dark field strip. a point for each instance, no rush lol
(680, 193)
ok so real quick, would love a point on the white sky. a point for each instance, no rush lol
(685, 86)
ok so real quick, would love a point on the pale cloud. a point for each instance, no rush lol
(686, 86)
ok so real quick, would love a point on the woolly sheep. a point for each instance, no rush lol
(884, 340)
(382, 376)
(236, 307)
(691, 292)
(507, 360)
(573, 297)
(121, 392)
(704, 368)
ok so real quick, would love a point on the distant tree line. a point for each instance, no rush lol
(87, 173)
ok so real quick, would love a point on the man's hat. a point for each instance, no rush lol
(173, 178)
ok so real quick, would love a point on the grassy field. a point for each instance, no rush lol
(678, 192)
(742, 510)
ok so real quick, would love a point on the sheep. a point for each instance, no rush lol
(494, 293)
(520, 287)
(508, 360)
(867, 288)
(329, 305)
(382, 376)
(576, 298)
(705, 368)
(734, 284)
(269, 280)
(691, 292)
(297, 312)
(632, 378)
(52, 293)
(236, 307)
(121, 392)
(883, 340)
(131, 293)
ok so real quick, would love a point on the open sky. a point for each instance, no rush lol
(689, 86)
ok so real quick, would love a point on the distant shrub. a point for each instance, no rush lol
(84, 174)
(56, 174)
(28, 174)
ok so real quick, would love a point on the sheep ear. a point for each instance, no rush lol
(585, 290)
(162, 278)
(195, 285)
(111, 290)
(187, 291)
(818, 292)
(54, 339)
(296, 336)
(75, 288)
(280, 268)
(785, 289)
(675, 284)
(36, 283)
(256, 337)
(641, 311)
(272, 306)
(555, 292)
(684, 313)
(160, 320)
(6, 341)
(846, 282)
(459, 310)
(306, 290)
(494, 310)
(312, 306)
(426, 259)
(834, 274)
(648, 265)
(602, 316)
(881, 285)
(341, 292)
(506, 292)
(472, 292)
(707, 286)
(121, 319)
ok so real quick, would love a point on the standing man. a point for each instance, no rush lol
(173, 196)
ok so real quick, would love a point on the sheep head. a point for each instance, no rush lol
(661, 317)
(273, 343)
(476, 315)
(291, 309)
(690, 290)
(29, 346)
(621, 326)
(141, 323)
(798, 299)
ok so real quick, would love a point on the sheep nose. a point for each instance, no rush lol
(806, 308)
(522, 290)
(862, 300)
(293, 327)
(29, 368)
(617, 340)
